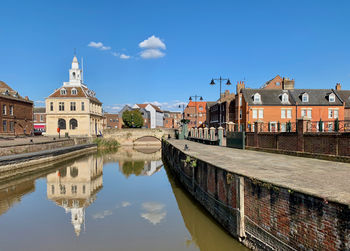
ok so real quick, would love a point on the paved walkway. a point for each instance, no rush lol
(321, 178)
(26, 140)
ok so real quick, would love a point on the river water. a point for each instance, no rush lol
(122, 200)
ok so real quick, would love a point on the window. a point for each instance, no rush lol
(84, 188)
(73, 123)
(283, 113)
(72, 106)
(62, 189)
(4, 110)
(333, 113)
(255, 113)
(52, 189)
(284, 98)
(61, 124)
(278, 83)
(74, 91)
(306, 113)
(63, 91)
(11, 110)
(82, 106)
(201, 108)
(240, 101)
(261, 113)
(289, 113)
(61, 106)
(283, 127)
(51, 106)
(309, 113)
(305, 97)
(4, 126)
(331, 97)
(257, 98)
(12, 126)
(330, 127)
(41, 118)
(74, 189)
(240, 113)
(330, 113)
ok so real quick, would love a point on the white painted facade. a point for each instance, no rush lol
(156, 119)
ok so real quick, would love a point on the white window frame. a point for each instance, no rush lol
(289, 113)
(257, 97)
(255, 113)
(283, 113)
(63, 91)
(74, 91)
(330, 113)
(261, 113)
(331, 97)
(306, 96)
(285, 98)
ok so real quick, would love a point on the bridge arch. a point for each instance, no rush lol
(147, 140)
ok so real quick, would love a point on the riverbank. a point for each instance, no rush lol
(267, 201)
(14, 166)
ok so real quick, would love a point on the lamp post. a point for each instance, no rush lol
(195, 104)
(183, 110)
(220, 79)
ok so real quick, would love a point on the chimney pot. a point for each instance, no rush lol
(338, 86)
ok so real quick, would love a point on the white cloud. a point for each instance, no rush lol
(116, 54)
(155, 212)
(123, 56)
(152, 42)
(126, 204)
(152, 53)
(39, 102)
(99, 45)
(102, 214)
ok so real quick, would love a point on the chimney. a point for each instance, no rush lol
(288, 84)
(240, 86)
(338, 86)
(26, 98)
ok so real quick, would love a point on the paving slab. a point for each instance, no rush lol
(321, 178)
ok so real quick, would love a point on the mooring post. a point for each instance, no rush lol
(220, 135)
(200, 132)
(212, 133)
(206, 133)
(240, 207)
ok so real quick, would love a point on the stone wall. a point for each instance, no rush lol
(36, 147)
(261, 215)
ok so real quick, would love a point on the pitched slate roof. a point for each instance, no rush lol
(274, 97)
(39, 109)
(268, 97)
(316, 97)
(82, 92)
(345, 96)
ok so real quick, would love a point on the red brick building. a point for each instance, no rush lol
(113, 120)
(40, 119)
(196, 113)
(223, 110)
(16, 112)
(172, 119)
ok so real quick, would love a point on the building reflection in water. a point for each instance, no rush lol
(13, 191)
(74, 187)
(136, 161)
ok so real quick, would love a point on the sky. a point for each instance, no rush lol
(165, 51)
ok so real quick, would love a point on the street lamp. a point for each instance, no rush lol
(213, 83)
(195, 104)
(183, 111)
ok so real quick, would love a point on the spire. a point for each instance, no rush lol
(75, 63)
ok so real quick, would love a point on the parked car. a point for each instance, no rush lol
(37, 132)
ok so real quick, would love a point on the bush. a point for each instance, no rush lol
(106, 143)
(132, 119)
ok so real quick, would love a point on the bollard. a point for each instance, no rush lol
(200, 133)
(196, 132)
(220, 135)
(206, 133)
(212, 133)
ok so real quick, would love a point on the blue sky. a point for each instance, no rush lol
(193, 42)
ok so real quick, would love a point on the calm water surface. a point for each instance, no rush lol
(108, 201)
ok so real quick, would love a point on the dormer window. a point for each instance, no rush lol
(63, 92)
(74, 91)
(285, 98)
(305, 97)
(257, 98)
(331, 97)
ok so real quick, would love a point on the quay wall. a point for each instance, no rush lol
(261, 215)
(41, 146)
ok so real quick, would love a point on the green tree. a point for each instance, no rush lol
(132, 119)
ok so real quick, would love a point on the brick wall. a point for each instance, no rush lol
(275, 218)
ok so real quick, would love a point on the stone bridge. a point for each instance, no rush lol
(138, 137)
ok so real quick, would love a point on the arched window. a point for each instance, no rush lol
(63, 91)
(74, 172)
(73, 75)
(305, 97)
(284, 98)
(331, 97)
(257, 97)
(61, 124)
(74, 91)
(73, 123)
